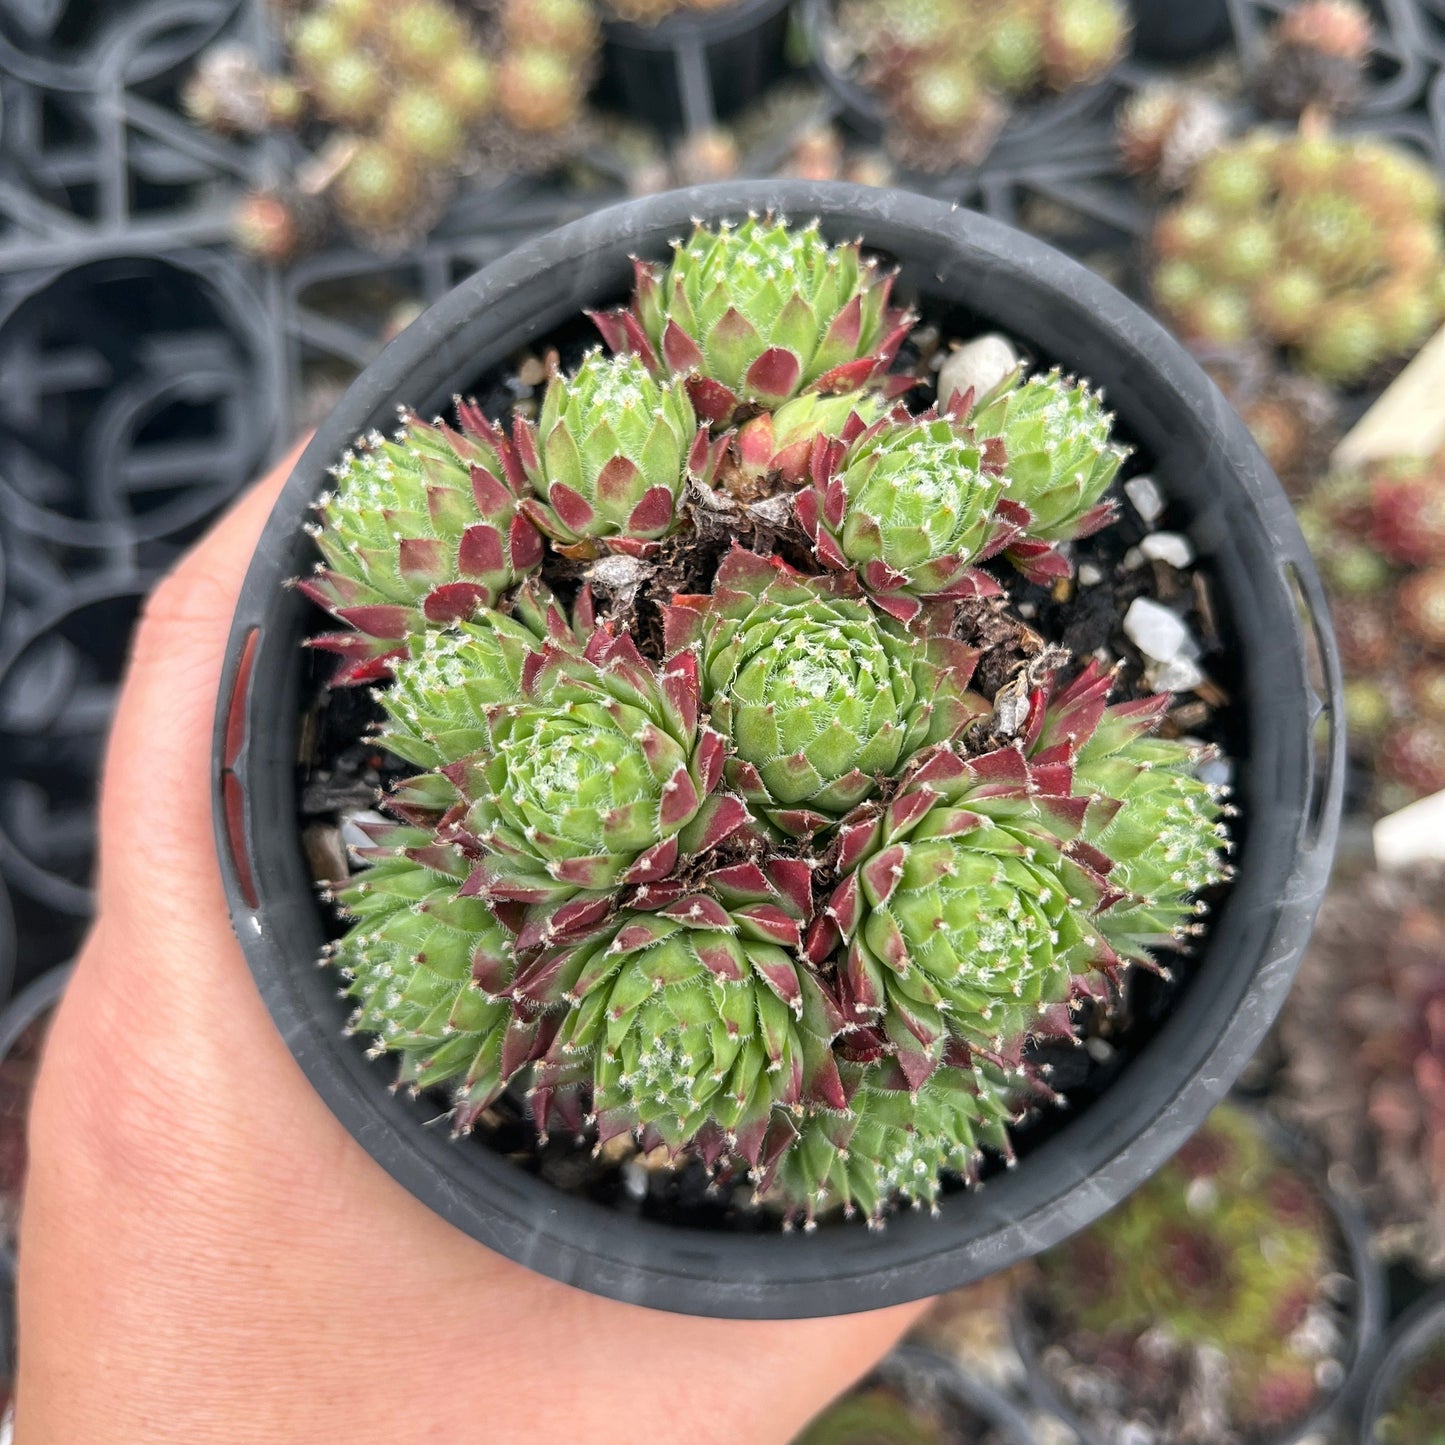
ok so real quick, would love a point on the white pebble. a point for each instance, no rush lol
(1157, 632)
(634, 1179)
(1217, 772)
(1148, 500)
(1089, 575)
(351, 828)
(981, 364)
(1133, 560)
(1170, 547)
(1413, 835)
(1179, 674)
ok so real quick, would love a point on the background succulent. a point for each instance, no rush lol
(1372, 990)
(1224, 1254)
(946, 71)
(1329, 246)
(1317, 57)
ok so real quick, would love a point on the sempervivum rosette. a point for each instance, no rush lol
(712, 848)
(1056, 435)
(609, 456)
(694, 1020)
(758, 313)
(418, 531)
(818, 694)
(912, 506)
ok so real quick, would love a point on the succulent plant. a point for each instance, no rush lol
(1416, 1405)
(711, 855)
(911, 506)
(1055, 435)
(759, 313)
(431, 971)
(874, 1416)
(566, 26)
(817, 695)
(1330, 246)
(1164, 131)
(379, 191)
(1372, 990)
(1420, 608)
(694, 1018)
(537, 90)
(946, 70)
(610, 454)
(422, 530)
(1226, 1252)
(1317, 57)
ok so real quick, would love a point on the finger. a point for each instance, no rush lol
(155, 814)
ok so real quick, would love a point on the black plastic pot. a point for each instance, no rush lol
(1420, 1327)
(1031, 132)
(1367, 1318)
(1177, 30)
(917, 1373)
(695, 68)
(1289, 769)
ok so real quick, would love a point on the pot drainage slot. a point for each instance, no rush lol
(1325, 723)
(233, 792)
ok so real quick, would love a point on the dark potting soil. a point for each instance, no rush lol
(343, 772)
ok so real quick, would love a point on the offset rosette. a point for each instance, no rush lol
(894, 1140)
(692, 1020)
(423, 530)
(602, 775)
(609, 456)
(431, 972)
(963, 909)
(818, 695)
(758, 313)
(912, 506)
(443, 690)
(781, 442)
(1056, 436)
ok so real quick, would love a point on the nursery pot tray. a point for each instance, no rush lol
(1287, 750)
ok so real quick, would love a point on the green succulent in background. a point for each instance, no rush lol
(911, 506)
(873, 1417)
(420, 531)
(609, 456)
(817, 694)
(1328, 245)
(1061, 460)
(430, 970)
(1225, 1249)
(759, 313)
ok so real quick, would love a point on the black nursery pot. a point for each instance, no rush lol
(1422, 1326)
(1289, 760)
(694, 68)
(1173, 31)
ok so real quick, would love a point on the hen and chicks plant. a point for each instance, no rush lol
(1224, 1253)
(1378, 535)
(948, 71)
(748, 871)
(1327, 246)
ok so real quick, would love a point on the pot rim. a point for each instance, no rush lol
(1420, 1326)
(1104, 1152)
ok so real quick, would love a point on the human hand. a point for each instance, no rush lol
(208, 1256)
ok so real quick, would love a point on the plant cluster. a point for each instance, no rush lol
(1372, 990)
(716, 847)
(1317, 57)
(1413, 1413)
(947, 71)
(402, 99)
(1378, 535)
(1328, 246)
(1222, 1256)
